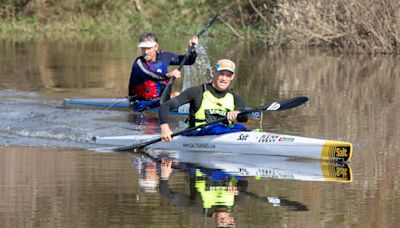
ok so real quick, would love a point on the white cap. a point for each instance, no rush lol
(147, 44)
(148, 185)
(147, 40)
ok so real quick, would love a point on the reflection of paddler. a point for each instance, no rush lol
(218, 201)
(147, 168)
(223, 218)
(149, 122)
(215, 195)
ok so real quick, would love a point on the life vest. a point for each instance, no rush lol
(212, 108)
(148, 90)
(213, 195)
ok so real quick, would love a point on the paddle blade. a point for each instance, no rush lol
(285, 104)
(137, 146)
(210, 22)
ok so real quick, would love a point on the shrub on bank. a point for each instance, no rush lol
(352, 25)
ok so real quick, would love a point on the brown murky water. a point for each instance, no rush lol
(47, 181)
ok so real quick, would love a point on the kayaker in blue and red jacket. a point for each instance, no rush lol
(149, 74)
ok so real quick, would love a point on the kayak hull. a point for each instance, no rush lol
(118, 103)
(257, 143)
(112, 103)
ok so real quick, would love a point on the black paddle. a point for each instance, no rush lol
(167, 91)
(276, 106)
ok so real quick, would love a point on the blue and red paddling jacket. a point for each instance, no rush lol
(148, 79)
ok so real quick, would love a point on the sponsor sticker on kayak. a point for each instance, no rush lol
(285, 139)
(242, 137)
(337, 151)
(199, 145)
(268, 138)
(342, 151)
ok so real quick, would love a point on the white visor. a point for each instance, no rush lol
(147, 44)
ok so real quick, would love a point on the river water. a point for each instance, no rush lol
(49, 178)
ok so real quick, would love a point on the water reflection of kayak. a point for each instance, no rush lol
(257, 143)
(274, 167)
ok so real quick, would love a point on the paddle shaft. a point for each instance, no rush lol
(167, 91)
(275, 106)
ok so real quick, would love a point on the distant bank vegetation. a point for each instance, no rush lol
(371, 26)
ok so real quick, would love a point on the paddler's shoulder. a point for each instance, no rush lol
(195, 89)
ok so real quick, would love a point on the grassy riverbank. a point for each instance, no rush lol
(362, 26)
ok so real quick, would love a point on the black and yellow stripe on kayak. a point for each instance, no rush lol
(337, 172)
(336, 151)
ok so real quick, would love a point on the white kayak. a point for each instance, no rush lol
(259, 143)
(114, 103)
(120, 102)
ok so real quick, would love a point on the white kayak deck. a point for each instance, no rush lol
(259, 143)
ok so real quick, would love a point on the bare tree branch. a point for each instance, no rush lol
(237, 34)
(257, 11)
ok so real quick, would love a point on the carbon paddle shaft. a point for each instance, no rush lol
(167, 91)
(275, 106)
